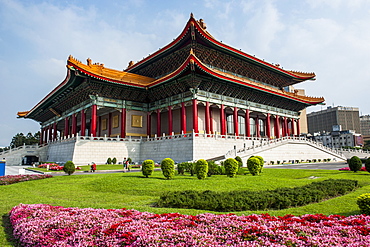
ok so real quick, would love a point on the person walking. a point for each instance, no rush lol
(93, 167)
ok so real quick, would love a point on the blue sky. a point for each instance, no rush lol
(328, 37)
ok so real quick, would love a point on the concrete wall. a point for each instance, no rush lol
(178, 149)
(61, 151)
(98, 151)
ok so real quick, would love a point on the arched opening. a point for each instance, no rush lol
(29, 159)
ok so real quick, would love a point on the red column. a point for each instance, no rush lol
(41, 136)
(298, 127)
(222, 120)
(123, 122)
(211, 121)
(183, 118)
(268, 126)
(83, 122)
(208, 119)
(236, 124)
(50, 133)
(247, 124)
(94, 110)
(195, 116)
(74, 124)
(258, 134)
(66, 127)
(109, 124)
(54, 131)
(99, 126)
(158, 122)
(285, 126)
(293, 127)
(149, 124)
(170, 127)
(277, 127)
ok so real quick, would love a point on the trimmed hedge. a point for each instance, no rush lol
(168, 168)
(257, 200)
(147, 168)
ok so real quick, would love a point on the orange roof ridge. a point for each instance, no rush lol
(98, 69)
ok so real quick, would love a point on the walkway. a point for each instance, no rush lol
(16, 170)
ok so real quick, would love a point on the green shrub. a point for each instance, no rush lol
(201, 169)
(231, 167)
(181, 167)
(363, 202)
(262, 162)
(212, 168)
(189, 167)
(114, 160)
(240, 161)
(272, 162)
(168, 168)
(147, 168)
(277, 199)
(367, 165)
(254, 165)
(109, 161)
(129, 160)
(355, 164)
(69, 167)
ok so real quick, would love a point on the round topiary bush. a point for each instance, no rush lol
(254, 165)
(69, 167)
(367, 165)
(231, 167)
(114, 160)
(240, 161)
(109, 161)
(168, 168)
(201, 168)
(355, 164)
(147, 168)
(363, 202)
(262, 162)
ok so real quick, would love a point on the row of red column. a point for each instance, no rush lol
(209, 126)
(49, 133)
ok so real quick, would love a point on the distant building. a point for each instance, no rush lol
(365, 124)
(348, 118)
(339, 139)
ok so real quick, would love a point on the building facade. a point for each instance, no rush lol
(323, 121)
(195, 84)
(340, 139)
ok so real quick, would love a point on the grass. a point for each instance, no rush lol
(132, 190)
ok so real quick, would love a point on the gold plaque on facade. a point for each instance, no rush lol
(137, 121)
(115, 121)
(104, 124)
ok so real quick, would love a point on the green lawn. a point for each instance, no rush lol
(131, 190)
(87, 168)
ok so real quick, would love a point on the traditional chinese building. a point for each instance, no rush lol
(194, 98)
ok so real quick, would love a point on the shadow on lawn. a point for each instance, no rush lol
(8, 230)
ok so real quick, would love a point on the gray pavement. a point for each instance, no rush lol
(16, 170)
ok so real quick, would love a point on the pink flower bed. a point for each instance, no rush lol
(348, 169)
(46, 225)
(12, 179)
(54, 167)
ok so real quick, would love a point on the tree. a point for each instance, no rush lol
(168, 168)
(20, 139)
(254, 165)
(69, 167)
(240, 161)
(201, 169)
(367, 165)
(231, 167)
(147, 167)
(355, 164)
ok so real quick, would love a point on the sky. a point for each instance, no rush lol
(328, 37)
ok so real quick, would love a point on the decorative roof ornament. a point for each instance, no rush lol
(202, 24)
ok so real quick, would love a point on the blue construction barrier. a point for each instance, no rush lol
(2, 168)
